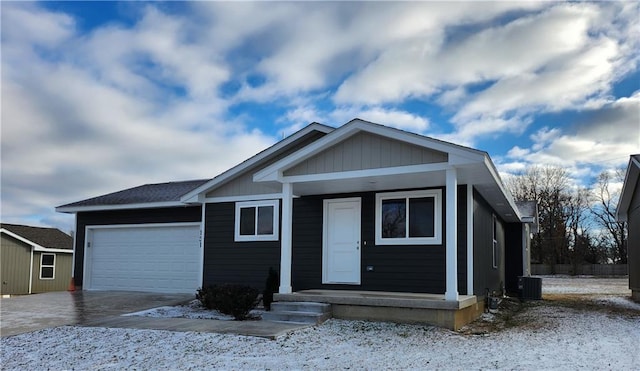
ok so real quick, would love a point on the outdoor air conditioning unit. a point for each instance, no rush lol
(530, 288)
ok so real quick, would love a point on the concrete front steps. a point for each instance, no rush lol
(298, 312)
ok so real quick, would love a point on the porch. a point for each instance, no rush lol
(399, 307)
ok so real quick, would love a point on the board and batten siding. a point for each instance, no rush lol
(485, 276)
(366, 151)
(15, 257)
(62, 274)
(131, 216)
(227, 261)
(243, 184)
(406, 268)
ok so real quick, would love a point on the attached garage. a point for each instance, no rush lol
(163, 258)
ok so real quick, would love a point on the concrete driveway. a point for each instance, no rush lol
(20, 314)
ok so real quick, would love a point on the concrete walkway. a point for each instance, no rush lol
(27, 313)
(265, 329)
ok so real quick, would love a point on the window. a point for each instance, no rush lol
(495, 243)
(409, 218)
(257, 220)
(47, 266)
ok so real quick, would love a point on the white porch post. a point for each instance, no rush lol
(451, 292)
(469, 239)
(285, 239)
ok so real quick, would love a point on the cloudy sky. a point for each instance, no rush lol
(98, 97)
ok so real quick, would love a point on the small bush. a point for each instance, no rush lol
(270, 287)
(235, 300)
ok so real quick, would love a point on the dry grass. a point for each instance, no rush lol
(514, 313)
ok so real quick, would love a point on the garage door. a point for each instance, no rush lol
(163, 258)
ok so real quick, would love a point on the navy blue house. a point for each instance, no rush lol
(362, 207)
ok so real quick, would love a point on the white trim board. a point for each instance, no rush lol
(150, 205)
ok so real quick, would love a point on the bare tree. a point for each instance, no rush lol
(613, 233)
(549, 186)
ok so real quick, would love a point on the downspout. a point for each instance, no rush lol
(73, 254)
(202, 228)
(31, 270)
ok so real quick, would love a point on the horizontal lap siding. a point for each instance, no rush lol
(227, 261)
(62, 274)
(396, 268)
(137, 216)
(633, 241)
(15, 258)
(485, 276)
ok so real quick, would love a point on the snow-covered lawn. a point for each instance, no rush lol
(553, 334)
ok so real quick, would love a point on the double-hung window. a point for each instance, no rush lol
(409, 218)
(257, 220)
(47, 266)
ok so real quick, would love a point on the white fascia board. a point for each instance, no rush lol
(52, 250)
(150, 205)
(193, 196)
(629, 185)
(505, 192)
(461, 155)
(266, 196)
(35, 246)
(410, 169)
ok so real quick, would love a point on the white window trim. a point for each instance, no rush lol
(437, 218)
(48, 266)
(256, 237)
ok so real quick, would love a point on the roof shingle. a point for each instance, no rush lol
(148, 193)
(45, 237)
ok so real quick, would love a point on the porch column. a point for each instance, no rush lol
(285, 239)
(451, 292)
(469, 239)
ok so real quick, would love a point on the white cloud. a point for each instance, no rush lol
(564, 57)
(86, 113)
(604, 139)
(389, 117)
(84, 119)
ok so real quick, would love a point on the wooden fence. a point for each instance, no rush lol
(581, 270)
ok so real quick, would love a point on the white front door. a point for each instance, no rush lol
(341, 241)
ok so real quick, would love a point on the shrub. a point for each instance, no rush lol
(232, 299)
(270, 287)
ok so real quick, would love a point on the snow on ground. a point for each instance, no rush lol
(585, 285)
(545, 335)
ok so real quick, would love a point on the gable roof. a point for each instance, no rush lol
(630, 183)
(148, 195)
(460, 154)
(43, 239)
(197, 194)
(475, 166)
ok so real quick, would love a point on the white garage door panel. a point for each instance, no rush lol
(160, 259)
